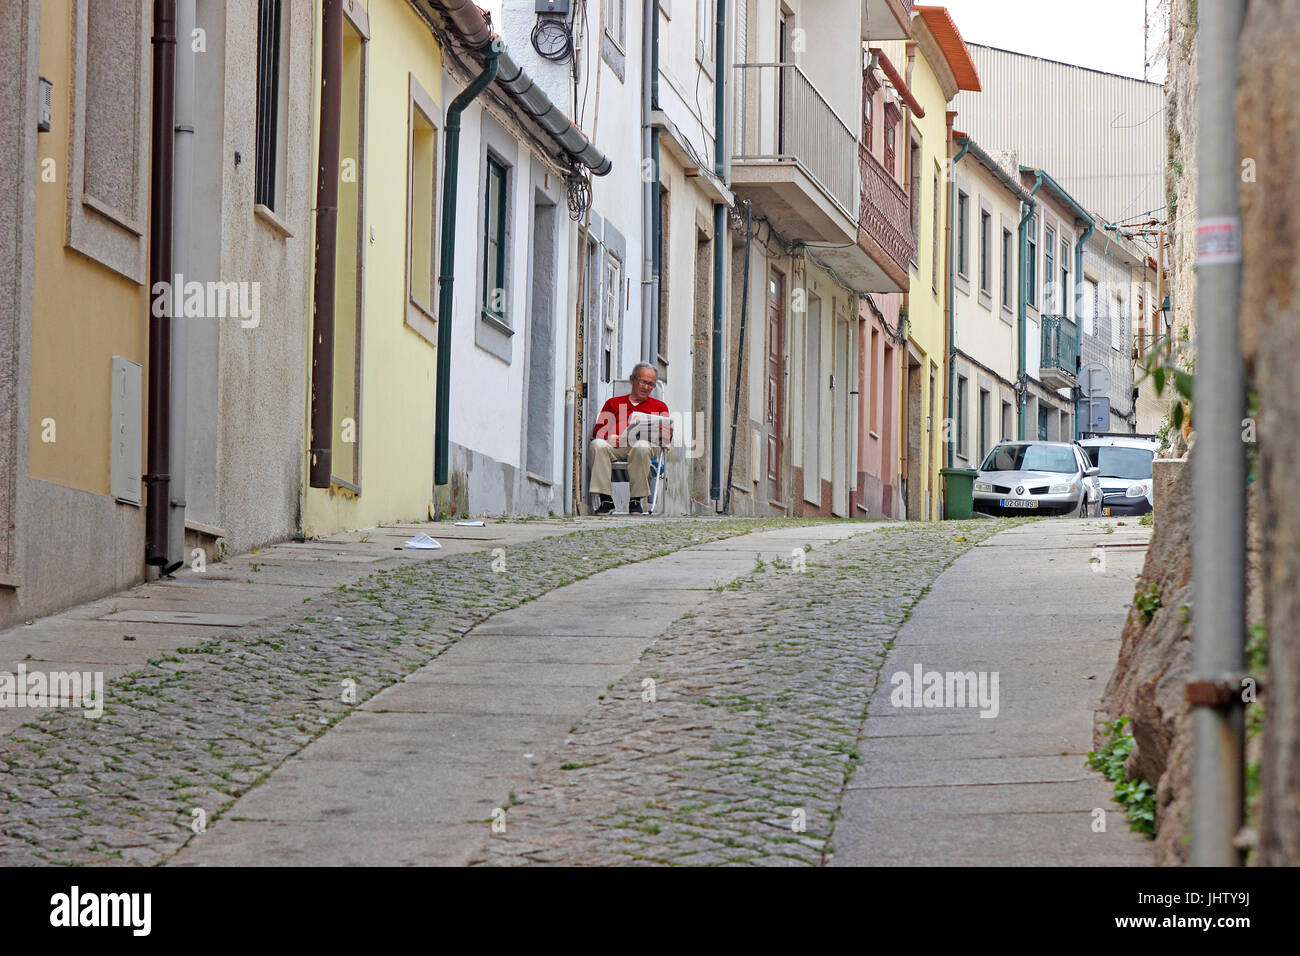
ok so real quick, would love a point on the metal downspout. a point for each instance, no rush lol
(162, 149)
(719, 247)
(321, 456)
(1078, 322)
(952, 294)
(1022, 318)
(649, 192)
(656, 213)
(447, 264)
(181, 219)
(1219, 461)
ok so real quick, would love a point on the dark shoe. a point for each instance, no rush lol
(634, 507)
(606, 506)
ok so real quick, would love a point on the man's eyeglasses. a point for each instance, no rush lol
(641, 381)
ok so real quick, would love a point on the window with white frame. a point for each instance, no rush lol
(986, 239)
(705, 27)
(1089, 306)
(1031, 265)
(1006, 268)
(612, 313)
(494, 239)
(1117, 321)
(421, 209)
(271, 147)
(1050, 301)
(1066, 294)
(963, 202)
(961, 415)
(614, 21)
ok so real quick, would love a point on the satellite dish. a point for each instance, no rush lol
(1096, 379)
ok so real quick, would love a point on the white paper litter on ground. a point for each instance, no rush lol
(422, 542)
(469, 524)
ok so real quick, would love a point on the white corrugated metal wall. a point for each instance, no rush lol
(1100, 135)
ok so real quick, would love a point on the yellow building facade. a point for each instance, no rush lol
(384, 355)
(938, 65)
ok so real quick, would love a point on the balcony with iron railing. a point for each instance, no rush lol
(793, 156)
(810, 175)
(1145, 343)
(885, 218)
(1060, 343)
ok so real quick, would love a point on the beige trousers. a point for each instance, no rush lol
(603, 456)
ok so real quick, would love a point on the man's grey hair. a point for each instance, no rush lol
(636, 370)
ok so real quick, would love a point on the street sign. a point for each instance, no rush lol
(1096, 379)
(1098, 414)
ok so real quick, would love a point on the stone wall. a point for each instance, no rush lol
(1180, 177)
(1268, 130)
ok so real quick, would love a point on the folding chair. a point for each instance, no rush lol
(658, 464)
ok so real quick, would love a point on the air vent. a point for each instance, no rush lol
(45, 105)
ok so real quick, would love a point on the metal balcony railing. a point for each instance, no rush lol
(782, 118)
(1144, 343)
(1059, 342)
(886, 214)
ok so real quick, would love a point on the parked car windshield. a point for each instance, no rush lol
(1116, 461)
(1031, 458)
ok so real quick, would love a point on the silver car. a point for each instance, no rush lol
(1038, 477)
(1125, 465)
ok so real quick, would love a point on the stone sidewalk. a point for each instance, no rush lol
(416, 774)
(211, 692)
(1043, 606)
(265, 589)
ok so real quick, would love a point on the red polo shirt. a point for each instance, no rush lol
(613, 419)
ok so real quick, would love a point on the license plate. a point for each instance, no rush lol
(1018, 503)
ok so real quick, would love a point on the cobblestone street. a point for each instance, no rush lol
(202, 723)
(685, 692)
(760, 697)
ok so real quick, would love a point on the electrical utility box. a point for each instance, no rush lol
(127, 422)
(557, 7)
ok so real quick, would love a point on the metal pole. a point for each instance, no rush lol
(446, 276)
(952, 290)
(162, 145)
(740, 354)
(719, 246)
(181, 219)
(1219, 468)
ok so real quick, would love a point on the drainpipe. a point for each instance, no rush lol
(181, 218)
(1078, 319)
(650, 188)
(656, 213)
(327, 220)
(1022, 316)
(162, 156)
(450, 165)
(952, 290)
(1218, 464)
(719, 244)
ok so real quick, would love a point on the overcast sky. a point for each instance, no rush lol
(1102, 34)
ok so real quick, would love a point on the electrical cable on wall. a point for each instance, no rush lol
(552, 37)
(579, 193)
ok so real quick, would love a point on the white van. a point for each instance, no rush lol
(1125, 465)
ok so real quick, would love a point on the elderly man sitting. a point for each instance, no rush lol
(609, 443)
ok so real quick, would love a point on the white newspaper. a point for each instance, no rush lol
(642, 426)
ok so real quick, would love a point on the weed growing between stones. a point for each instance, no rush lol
(1136, 796)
